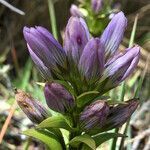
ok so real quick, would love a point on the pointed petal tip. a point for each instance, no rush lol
(135, 50)
(26, 30)
(120, 16)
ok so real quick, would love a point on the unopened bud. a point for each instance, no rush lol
(31, 107)
(58, 98)
(120, 114)
(94, 115)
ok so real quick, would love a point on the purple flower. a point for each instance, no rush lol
(45, 51)
(121, 66)
(94, 115)
(119, 114)
(96, 5)
(83, 60)
(74, 10)
(76, 37)
(58, 98)
(113, 34)
(100, 117)
(91, 62)
(31, 107)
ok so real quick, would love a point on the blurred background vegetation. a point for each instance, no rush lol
(17, 70)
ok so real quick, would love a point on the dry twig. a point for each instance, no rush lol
(12, 7)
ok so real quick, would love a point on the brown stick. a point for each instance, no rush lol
(5, 126)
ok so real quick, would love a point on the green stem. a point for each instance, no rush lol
(133, 32)
(122, 140)
(131, 42)
(53, 18)
(74, 118)
(27, 144)
(114, 142)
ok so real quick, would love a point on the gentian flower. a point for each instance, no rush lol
(76, 37)
(119, 114)
(83, 61)
(45, 51)
(94, 115)
(75, 72)
(58, 98)
(96, 5)
(113, 34)
(91, 63)
(35, 111)
(99, 116)
(74, 11)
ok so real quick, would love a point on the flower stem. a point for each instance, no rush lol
(114, 142)
(131, 42)
(53, 18)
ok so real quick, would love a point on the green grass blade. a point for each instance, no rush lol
(53, 18)
(131, 42)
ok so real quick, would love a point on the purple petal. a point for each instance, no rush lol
(94, 115)
(96, 5)
(44, 70)
(119, 69)
(91, 63)
(58, 98)
(113, 34)
(76, 37)
(120, 114)
(123, 66)
(74, 10)
(46, 33)
(133, 63)
(45, 46)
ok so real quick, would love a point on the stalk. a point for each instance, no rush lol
(53, 18)
(114, 142)
(131, 42)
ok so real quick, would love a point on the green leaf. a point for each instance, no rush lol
(86, 139)
(103, 137)
(55, 122)
(46, 137)
(86, 97)
(26, 75)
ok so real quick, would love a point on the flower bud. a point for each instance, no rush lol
(96, 5)
(120, 114)
(76, 37)
(91, 63)
(58, 98)
(74, 10)
(32, 108)
(120, 67)
(113, 34)
(45, 51)
(94, 115)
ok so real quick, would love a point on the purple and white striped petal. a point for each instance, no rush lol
(76, 37)
(58, 98)
(113, 34)
(91, 63)
(43, 68)
(74, 10)
(119, 114)
(94, 115)
(96, 5)
(43, 44)
(123, 66)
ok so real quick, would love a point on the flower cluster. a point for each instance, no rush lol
(85, 64)
(90, 62)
